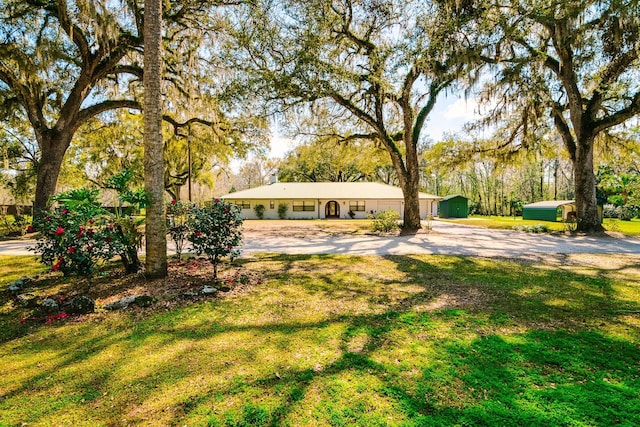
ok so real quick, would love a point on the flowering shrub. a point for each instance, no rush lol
(76, 234)
(216, 231)
(178, 223)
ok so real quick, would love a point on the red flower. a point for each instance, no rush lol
(79, 235)
(173, 202)
(90, 232)
(71, 249)
(91, 221)
(108, 239)
(226, 211)
(56, 266)
(81, 228)
(216, 200)
(229, 246)
(59, 231)
(64, 211)
(30, 229)
(198, 234)
(48, 217)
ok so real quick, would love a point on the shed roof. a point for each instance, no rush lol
(549, 204)
(453, 196)
(324, 190)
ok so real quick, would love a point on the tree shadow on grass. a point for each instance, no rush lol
(514, 356)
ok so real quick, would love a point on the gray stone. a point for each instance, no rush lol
(15, 287)
(49, 305)
(208, 290)
(139, 300)
(81, 305)
(27, 300)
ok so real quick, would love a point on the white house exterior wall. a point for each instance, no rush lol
(371, 206)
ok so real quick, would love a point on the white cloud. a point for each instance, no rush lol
(466, 109)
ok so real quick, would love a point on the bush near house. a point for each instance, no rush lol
(283, 208)
(385, 221)
(259, 210)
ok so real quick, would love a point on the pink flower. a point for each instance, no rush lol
(59, 231)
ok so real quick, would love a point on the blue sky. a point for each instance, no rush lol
(448, 116)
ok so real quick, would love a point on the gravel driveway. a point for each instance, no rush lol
(445, 238)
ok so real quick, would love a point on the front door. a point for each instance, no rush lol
(332, 210)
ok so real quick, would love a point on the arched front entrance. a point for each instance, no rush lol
(332, 209)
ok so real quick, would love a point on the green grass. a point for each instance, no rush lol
(629, 228)
(348, 341)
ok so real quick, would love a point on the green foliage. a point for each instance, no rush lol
(283, 208)
(259, 210)
(385, 221)
(215, 231)
(14, 224)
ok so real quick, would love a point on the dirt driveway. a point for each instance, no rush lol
(351, 237)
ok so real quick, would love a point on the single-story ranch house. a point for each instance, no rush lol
(307, 200)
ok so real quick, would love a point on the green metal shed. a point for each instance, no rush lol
(454, 206)
(549, 210)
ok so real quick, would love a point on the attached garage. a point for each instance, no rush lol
(454, 206)
(390, 206)
(550, 210)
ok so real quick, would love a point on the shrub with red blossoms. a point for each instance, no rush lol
(216, 232)
(66, 243)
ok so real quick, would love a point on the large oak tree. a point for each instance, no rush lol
(62, 63)
(377, 67)
(566, 64)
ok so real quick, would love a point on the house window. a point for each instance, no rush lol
(243, 204)
(272, 204)
(356, 206)
(304, 206)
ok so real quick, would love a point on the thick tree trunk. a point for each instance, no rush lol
(156, 233)
(410, 189)
(585, 189)
(53, 150)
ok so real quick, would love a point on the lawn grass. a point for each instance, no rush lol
(349, 341)
(629, 228)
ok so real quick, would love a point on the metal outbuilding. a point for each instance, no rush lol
(454, 206)
(550, 210)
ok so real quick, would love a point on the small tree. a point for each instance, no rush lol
(216, 231)
(178, 223)
(282, 210)
(259, 210)
(128, 237)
